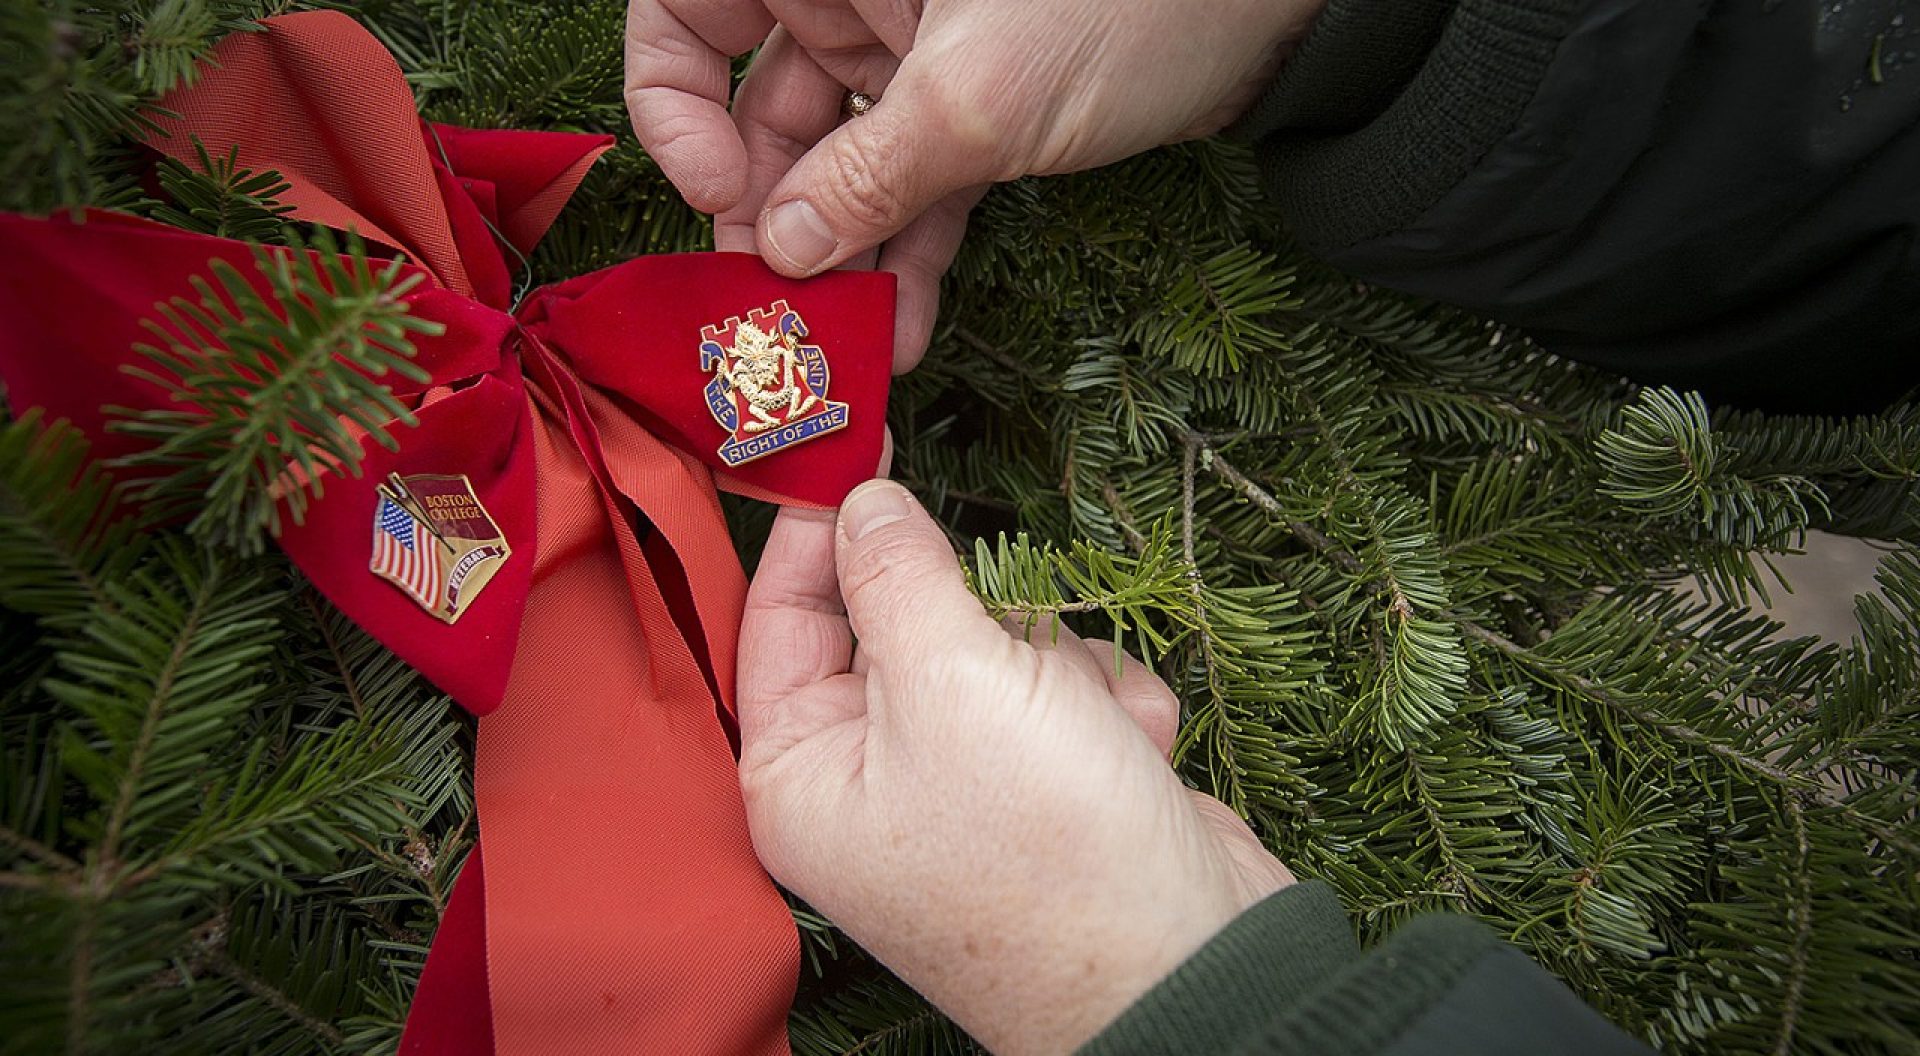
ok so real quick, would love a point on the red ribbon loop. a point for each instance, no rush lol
(623, 908)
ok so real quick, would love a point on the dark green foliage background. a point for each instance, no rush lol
(1412, 577)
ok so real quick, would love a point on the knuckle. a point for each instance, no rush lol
(771, 597)
(881, 577)
(777, 809)
(805, 11)
(656, 58)
(862, 185)
(668, 134)
(1163, 714)
(994, 666)
(770, 842)
(1044, 682)
(982, 113)
(770, 141)
(967, 118)
(1163, 701)
(755, 788)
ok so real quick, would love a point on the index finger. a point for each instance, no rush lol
(678, 74)
(794, 631)
(785, 104)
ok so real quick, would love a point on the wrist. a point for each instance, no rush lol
(1360, 57)
(1054, 980)
(1290, 25)
(1273, 957)
(1064, 989)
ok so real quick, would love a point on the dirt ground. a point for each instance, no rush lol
(1824, 581)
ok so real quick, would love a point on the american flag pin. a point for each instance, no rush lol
(433, 539)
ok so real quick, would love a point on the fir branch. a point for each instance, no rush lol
(1788, 780)
(1800, 916)
(173, 653)
(279, 387)
(878, 1017)
(219, 962)
(1665, 460)
(80, 981)
(1195, 585)
(1459, 875)
(1216, 312)
(1584, 686)
(167, 42)
(35, 849)
(294, 808)
(1122, 515)
(219, 197)
(1137, 369)
(320, 620)
(888, 1035)
(63, 535)
(988, 349)
(1420, 670)
(1265, 501)
(1035, 583)
(1222, 724)
(1592, 690)
(160, 700)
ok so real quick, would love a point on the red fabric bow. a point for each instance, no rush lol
(622, 909)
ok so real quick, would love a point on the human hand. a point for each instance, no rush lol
(971, 92)
(991, 814)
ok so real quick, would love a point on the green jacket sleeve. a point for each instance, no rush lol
(1287, 977)
(1708, 193)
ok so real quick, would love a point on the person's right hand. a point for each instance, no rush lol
(971, 92)
(988, 811)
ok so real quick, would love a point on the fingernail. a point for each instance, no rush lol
(797, 235)
(873, 505)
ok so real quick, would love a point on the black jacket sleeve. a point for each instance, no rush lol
(1287, 977)
(1716, 194)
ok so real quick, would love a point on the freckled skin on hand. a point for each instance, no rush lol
(968, 853)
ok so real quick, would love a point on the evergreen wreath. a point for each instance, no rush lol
(1412, 577)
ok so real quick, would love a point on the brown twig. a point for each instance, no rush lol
(1801, 914)
(218, 960)
(1320, 543)
(33, 848)
(339, 658)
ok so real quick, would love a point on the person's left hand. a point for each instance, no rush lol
(989, 813)
(678, 79)
(969, 92)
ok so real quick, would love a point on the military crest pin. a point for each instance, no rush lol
(434, 540)
(769, 386)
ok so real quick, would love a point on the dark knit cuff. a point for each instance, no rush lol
(1268, 957)
(1287, 976)
(1446, 80)
(1364, 1007)
(1443, 984)
(1354, 62)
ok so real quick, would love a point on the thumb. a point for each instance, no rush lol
(901, 583)
(873, 175)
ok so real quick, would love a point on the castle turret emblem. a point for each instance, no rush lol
(769, 386)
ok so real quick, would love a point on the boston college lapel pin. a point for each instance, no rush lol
(434, 540)
(769, 386)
